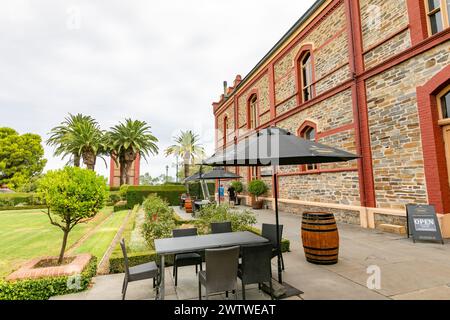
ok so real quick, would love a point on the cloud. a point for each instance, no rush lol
(162, 62)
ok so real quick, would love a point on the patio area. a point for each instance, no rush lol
(408, 271)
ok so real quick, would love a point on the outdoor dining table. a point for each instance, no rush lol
(169, 246)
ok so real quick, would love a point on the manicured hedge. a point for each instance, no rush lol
(14, 199)
(42, 206)
(137, 194)
(44, 288)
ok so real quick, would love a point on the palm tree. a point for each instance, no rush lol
(87, 139)
(127, 140)
(187, 147)
(72, 134)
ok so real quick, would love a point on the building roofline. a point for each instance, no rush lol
(278, 45)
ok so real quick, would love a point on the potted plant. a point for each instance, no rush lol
(257, 188)
(238, 188)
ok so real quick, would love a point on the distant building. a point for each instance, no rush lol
(368, 76)
(134, 172)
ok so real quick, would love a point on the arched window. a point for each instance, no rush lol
(309, 133)
(438, 12)
(253, 112)
(306, 77)
(225, 130)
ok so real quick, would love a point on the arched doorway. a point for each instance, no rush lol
(443, 102)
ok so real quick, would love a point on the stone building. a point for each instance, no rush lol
(133, 173)
(368, 76)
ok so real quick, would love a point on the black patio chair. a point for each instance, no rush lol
(269, 231)
(186, 259)
(221, 227)
(256, 266)
(221, 271)
(140, 272)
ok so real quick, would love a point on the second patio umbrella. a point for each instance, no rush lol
(273, 147)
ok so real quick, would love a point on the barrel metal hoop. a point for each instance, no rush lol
(321, 249)
(322, 231)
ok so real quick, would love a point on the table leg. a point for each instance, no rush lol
(162, 285)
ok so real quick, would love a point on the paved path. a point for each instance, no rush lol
(408, 271)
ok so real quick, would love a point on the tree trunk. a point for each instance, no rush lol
(76, 160)
(63, 247)
(89, 160)
(127, 170)
(122, 172)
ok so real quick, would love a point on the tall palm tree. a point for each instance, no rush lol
(187, 147)
(87, 139)
(127, 140)
(62, 136)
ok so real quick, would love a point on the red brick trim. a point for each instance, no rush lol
(298, 77)
(112, 165)
(432, 141)
(326, 43)
(417, 21)
(250, 94)
(137, 169)
(273, 112)
(362, 134)
(28, 270)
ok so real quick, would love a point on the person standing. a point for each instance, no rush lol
(232, 194)
(221, 192)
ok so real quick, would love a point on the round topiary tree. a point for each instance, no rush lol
(238, 186)
(257, 188)
(72, 195)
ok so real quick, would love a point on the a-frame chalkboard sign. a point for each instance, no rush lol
(423, 223)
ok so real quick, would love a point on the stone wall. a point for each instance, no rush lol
(396, 45)
(395, 131)
(335, 187)
(382, 18)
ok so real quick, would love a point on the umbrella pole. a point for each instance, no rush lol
(275, 187)
(218, 191)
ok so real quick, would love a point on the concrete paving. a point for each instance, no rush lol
(407, 270)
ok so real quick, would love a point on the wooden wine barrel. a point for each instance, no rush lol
(320, 238)
(188, 205)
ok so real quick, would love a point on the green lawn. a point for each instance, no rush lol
(28, 234)
(98, 243)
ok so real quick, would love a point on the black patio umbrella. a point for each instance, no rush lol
(215, 174)
(276, 147)
(219, 174)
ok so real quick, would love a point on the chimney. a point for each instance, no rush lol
(237, 80)
(225, 88)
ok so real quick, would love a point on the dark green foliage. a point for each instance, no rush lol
(114, 197)
(238, 186)
(171, 194)
(44, 288)
(257, 188)
(120, 206)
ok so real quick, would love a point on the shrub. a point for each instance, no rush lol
(159, 219)
(120, 206)
(257, 188)
(240, 221)
(123, 191)
(238, 186)
(113, 198)
(195, 189)
(44, 288)
(171, 194)
(72, 194)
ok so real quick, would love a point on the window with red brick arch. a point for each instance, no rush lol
(438, 12)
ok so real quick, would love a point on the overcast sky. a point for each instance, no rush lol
(159, 61)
